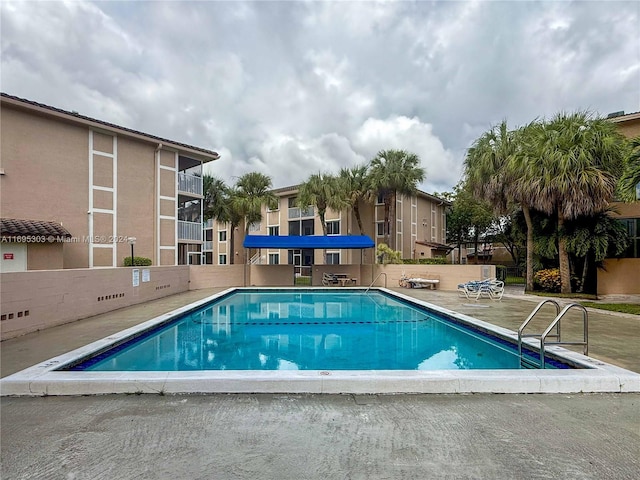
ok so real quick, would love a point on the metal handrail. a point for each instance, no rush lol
(374, 281)
(556, 321)
(530, 317)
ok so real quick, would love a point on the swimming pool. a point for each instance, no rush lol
(53, 377)
(309, 330)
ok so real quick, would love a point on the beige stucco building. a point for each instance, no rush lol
(100, 182)
(420, 221)
(620, 275)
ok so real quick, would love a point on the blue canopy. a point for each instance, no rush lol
(308, 241)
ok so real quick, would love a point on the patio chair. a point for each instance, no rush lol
(476, 289)
(329, 280)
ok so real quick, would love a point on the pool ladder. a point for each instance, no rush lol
(528, 362)
(374, 281)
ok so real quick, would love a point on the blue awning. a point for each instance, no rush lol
(308, 241)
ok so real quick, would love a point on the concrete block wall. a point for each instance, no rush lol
(35, 300)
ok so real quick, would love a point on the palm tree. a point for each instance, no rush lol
(578, 160)
(216, 198)
(494, 169)
(629, 186)
(251, 192)
(393, 173)
(353, 188)
(320, 190)
(596, 237)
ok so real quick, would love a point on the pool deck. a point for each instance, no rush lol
(586, 436)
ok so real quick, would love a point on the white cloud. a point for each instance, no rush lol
(291, 88)
(403, 133)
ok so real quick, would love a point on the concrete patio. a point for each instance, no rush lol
(586, 436)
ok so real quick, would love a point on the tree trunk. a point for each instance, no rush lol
(321, 214)
(529, 277)
(565, 270)
(392, 221)
(585, 270)
(232, 253)
(387, 226)
(356, 211)
(476, 237)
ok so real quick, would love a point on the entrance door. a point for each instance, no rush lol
(301, 259)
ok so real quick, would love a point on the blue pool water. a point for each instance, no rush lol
(308, 330)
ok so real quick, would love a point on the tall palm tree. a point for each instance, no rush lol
(354, 188)
(393, 173)
(629, 186)
(494, 169)
(252, 191)
(320, 190)
(216, 198)
(578, 160)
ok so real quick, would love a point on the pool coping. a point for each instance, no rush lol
(43, 379)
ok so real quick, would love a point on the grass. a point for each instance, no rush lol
(513, 280)
(632, 308)
(587, 296)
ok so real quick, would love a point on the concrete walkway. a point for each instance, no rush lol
(322, 436)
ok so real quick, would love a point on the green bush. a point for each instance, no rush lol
(137, 262)
(547, 280)
(425, 261)
(387, 255)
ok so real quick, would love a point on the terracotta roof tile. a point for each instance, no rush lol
(11, 227)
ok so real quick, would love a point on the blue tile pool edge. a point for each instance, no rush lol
(43, 379)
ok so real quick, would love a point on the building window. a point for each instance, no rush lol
(274, 259)
(633, 231)
(380, 199)
(222, 259)
(333, 227)
(222, 236)
(274, 231)
(254, 227)
(333, 258)
(380, 229)
(292, 202)
(301, 227)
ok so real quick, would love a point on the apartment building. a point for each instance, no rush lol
(77, 191)
(420, 232)
(629, 213)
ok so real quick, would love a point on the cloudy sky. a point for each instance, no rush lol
(294, 88)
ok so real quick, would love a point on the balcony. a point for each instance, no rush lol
(191, 231)
(189, 183)
(297, 212)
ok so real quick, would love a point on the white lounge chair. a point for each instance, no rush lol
(476, 289)
(419, 282)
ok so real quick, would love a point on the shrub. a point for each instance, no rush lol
(137, 262)
(387, 255)
(548, 280)
(425, 261)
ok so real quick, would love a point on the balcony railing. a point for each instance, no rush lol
(297, 212)
(208, 245)
(189, 183)
(189, 231)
